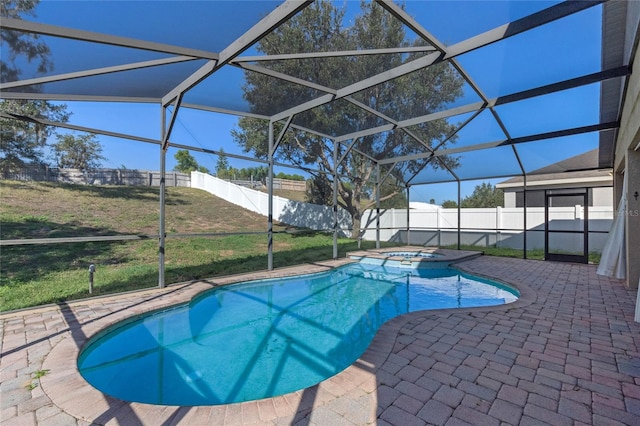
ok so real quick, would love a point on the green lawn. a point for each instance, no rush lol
(36, 275)
(32, 275)
(509, 252)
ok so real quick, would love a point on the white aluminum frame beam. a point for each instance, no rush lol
(96, 71)
(286, 77)
(70, 33)
(481, 105)
(454, 132)
(241, 157)
(143, 139)
(413, 121)
(167, 129)
(279, 15)
(225, 111)
(391, 74)
(344, 155)
(79, 128)
(518, 26)
(500, 33)
(251, 115)
(335, 54)
(507, 142)
(68, 97)
(276, 142)
(402, 15)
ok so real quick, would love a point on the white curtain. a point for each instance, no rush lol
(612, 261)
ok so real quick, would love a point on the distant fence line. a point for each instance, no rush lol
(278, 184)
(131, 177)
(128, 177)
(289, 185)
(500, 226)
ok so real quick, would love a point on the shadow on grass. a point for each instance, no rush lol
(22, 185)
(28, 262)
(147, 274)
(140, 193)
(121, 411)
(41, 227)
(23, 263)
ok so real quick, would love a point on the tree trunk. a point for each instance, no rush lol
(356, 218)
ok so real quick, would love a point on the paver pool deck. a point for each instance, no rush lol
(566, 353)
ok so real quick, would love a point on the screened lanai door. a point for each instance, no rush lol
(566, 233)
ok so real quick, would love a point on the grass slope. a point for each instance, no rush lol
(33, 275)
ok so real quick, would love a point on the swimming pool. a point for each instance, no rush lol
(266, 338)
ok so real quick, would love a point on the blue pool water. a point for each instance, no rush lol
(266, 338)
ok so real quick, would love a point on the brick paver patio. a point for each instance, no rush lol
(566, 353)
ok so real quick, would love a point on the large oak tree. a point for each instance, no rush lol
(320, 28)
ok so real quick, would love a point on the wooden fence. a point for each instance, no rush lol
(291, 185)
(100, 176)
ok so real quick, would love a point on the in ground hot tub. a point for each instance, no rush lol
(413, 257)
(411, 254)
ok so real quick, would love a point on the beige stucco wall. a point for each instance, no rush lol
(630, 122)
(602, 197)
(627, 159)
(509, 199)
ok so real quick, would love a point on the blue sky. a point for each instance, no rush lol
(499, 69)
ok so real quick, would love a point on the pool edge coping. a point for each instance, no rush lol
(64, 384)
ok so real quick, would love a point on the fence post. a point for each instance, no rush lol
(579, 218)
(498, 224)
(393, 220)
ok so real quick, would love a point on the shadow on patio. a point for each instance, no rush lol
(566, 354)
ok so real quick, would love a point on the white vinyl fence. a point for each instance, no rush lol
(294, 213)
(502, 227)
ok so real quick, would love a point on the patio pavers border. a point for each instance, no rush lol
(540, 359)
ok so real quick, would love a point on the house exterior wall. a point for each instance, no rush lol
(627, 154)
(602, 196)
(500, 226)
(509, 199)
(598, 197)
